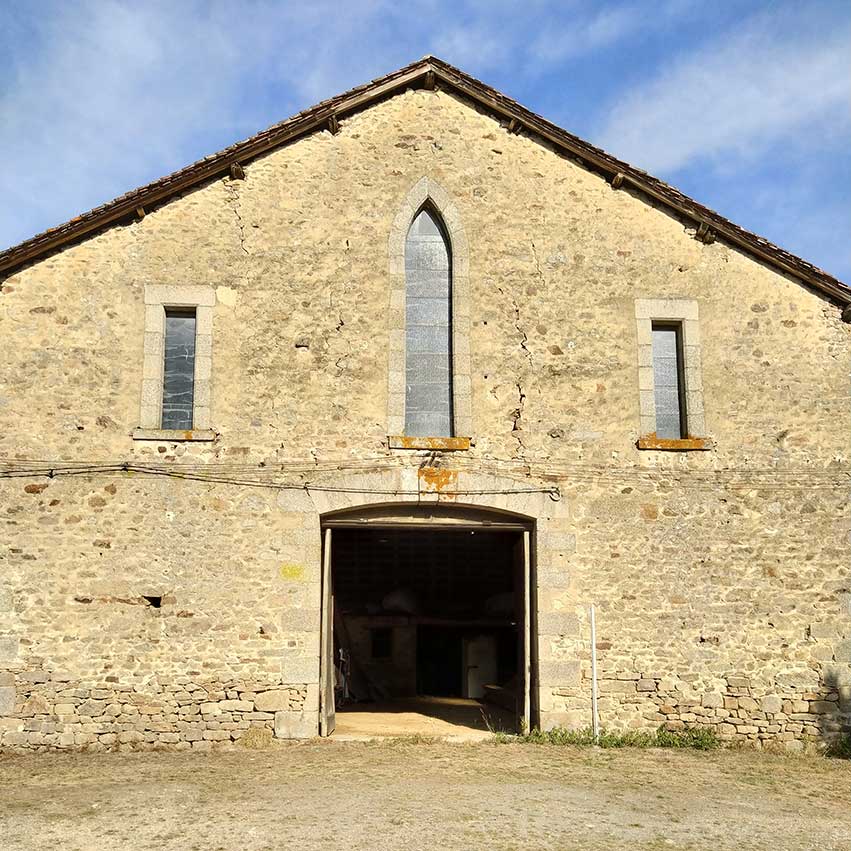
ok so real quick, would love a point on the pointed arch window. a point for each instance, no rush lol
(429, 387)
(428, 328)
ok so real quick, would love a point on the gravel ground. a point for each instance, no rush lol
(406, 795)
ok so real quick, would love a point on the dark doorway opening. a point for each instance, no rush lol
(429, 621)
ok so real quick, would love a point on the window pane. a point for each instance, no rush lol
(428, 320)
(179, 369)
(666, 381)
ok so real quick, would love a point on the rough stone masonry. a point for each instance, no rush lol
(139, 609)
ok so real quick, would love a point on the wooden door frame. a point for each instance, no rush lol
(427, 517)
(327, 709)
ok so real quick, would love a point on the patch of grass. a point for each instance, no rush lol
(839, 748)
(256, 739)
(695, 738)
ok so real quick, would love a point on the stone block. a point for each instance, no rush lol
(617, 686)
(302, 619)
(7, 700)
(217, 735)
(9, 647)
(570, 720)
(126, 737)
(311, 700)
(645, 685)
(559, 673)
(299, 670)
(771, 704)
(558, 623)
(296, 725)
(274, 700)
(712, 700)
(236, 706)
(842, 651)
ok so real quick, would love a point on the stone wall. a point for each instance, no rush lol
(791, 713)
(706, 568)
(48, 711)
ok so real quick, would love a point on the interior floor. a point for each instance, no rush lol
(452, 718)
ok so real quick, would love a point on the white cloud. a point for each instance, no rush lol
(105, 95)
(779, 76)
(99, 96)
(102, 95)
(583, 36)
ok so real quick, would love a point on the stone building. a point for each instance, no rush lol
(421, 359)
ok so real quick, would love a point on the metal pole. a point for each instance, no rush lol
(595, 720)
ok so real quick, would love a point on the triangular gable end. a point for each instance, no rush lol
(429, 73)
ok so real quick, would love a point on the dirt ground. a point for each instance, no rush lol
(403, 795)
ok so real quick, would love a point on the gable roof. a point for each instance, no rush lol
(430, 73)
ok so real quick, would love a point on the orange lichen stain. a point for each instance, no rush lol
(448, 444)
(439, 480)
(683, 444)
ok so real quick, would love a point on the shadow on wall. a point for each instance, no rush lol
(835, 722)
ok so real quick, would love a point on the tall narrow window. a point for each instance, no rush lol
(179, 368)
(668, 381)
(428, 323)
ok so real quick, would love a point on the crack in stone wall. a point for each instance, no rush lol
(517, 414)
(339, 362)
(233, 202)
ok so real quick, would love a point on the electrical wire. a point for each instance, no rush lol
(563, 475)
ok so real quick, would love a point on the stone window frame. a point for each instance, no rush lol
(427, 192)
(157, 299)
(683, 312)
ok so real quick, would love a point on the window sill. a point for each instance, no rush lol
(174, 435)
(667, 444)
(445, 444)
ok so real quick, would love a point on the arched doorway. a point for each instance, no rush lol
(426, 621)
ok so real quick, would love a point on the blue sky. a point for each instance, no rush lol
(743, 104)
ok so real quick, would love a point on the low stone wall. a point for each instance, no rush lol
(42, 711)
(739, 708)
